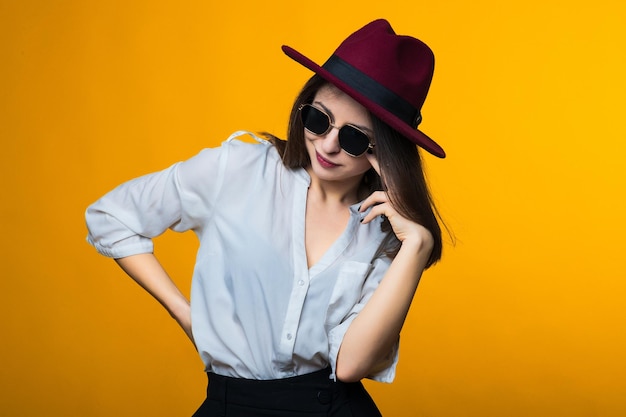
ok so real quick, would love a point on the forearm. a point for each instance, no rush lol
(376, 329)
(146, 270)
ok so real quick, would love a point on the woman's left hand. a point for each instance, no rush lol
(403, 228)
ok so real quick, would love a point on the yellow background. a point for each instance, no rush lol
(525, 316)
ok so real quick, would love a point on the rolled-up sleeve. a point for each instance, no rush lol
(384, 371)
(124, 221)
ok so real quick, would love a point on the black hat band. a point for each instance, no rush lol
(373, 90)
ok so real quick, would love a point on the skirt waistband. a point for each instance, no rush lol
(312, 392)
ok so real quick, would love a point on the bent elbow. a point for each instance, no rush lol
(349, 374)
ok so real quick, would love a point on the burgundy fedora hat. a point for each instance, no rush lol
(388, 74)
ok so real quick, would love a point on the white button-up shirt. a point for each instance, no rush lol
(258, 311)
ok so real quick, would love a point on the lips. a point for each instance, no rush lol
(325, 162)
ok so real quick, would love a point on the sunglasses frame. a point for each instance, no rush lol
(370, 145)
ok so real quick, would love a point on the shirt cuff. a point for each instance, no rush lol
(384, 372)
(132, 246)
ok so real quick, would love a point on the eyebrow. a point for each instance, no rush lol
(330, 113)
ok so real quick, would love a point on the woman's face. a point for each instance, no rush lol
(328, 161)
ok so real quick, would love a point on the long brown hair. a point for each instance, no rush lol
(400, 164)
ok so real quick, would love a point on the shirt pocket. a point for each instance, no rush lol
(347, 292)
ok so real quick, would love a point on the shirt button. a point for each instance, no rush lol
(324, 397)
(301, 282)
(289, 336)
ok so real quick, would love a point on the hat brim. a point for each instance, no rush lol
(414, 135)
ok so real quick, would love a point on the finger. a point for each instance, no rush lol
(383, 209)
(377, 197)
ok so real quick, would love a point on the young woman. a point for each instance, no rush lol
(311, 249)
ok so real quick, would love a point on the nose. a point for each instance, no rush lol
(330, 141)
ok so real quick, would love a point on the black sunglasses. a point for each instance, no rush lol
(352, 140)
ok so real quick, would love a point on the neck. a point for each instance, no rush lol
(343, 193)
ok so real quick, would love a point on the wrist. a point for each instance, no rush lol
(179, 308)
(416, 244)
(420, 245)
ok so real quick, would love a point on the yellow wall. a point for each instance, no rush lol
(524, 317)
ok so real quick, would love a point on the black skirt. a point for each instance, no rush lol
(310, 395)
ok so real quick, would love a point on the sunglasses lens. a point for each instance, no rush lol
(353, 141)
(314, 120)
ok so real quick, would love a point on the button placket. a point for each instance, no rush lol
(290, 327)
(300, 283)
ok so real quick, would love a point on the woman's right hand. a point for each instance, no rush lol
(146, 270)
(182, 315)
